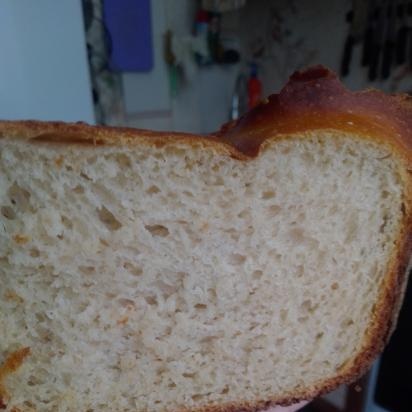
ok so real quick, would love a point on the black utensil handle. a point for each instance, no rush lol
(401, 42)
(367, 46)
(387, 60)
(374, 63)
(347, 55)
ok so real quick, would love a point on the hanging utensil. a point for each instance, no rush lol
(348, 47)
(357, 17)
(368, 34)
(389, 43)
(378, 39)
(402, 35)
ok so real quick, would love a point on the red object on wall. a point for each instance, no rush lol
(254, 88)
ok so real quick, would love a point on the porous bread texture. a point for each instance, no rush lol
(158, 279)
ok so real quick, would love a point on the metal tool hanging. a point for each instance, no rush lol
(384, 30)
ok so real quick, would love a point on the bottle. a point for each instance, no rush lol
(201, 46)
(254, 87)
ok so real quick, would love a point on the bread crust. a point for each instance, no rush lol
(311, 100)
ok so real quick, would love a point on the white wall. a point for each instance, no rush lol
(44, 70)
(203, 100)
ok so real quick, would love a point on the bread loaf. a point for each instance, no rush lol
(261, 265)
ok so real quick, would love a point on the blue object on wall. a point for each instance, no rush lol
(129, 28)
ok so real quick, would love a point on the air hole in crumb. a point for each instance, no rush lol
(40, 317)
(168, 331)
(171, 385)
(33, 381)
(188, 194)
(29, 405)
(108, 219)
(67, 223)
(34, 253)
(225, 390)
(297, 235)
(92, 160)
(181, 275)
(197, 397)
(237, 259)
(243, 214)
(257, 274)
(87, 270)
(132, 269)
(123, 160)
(125, 302)
(19, 197)
(299, 271)
(403, 208)
(151, 300)
(189, 375)
(200, 306)
(152, 190)
(333, 210)
(319, 335)
(385, 220)
(166, 289)
(212, 293)
(385, 194)
(269, 194)
(233, 233)
(79, 189)
(8, 212)
(157, 230)
(334, 286)
(85, 176)
(274, 210)
(253, 326)
(307, 305)
(103, 242)
(219, 181)
(208, 339)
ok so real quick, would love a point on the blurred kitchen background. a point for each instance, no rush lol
(190, 66)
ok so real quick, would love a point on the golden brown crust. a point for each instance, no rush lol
(312, 100)
(60, 133)
(316, 99)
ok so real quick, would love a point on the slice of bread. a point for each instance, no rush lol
(261, 265)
